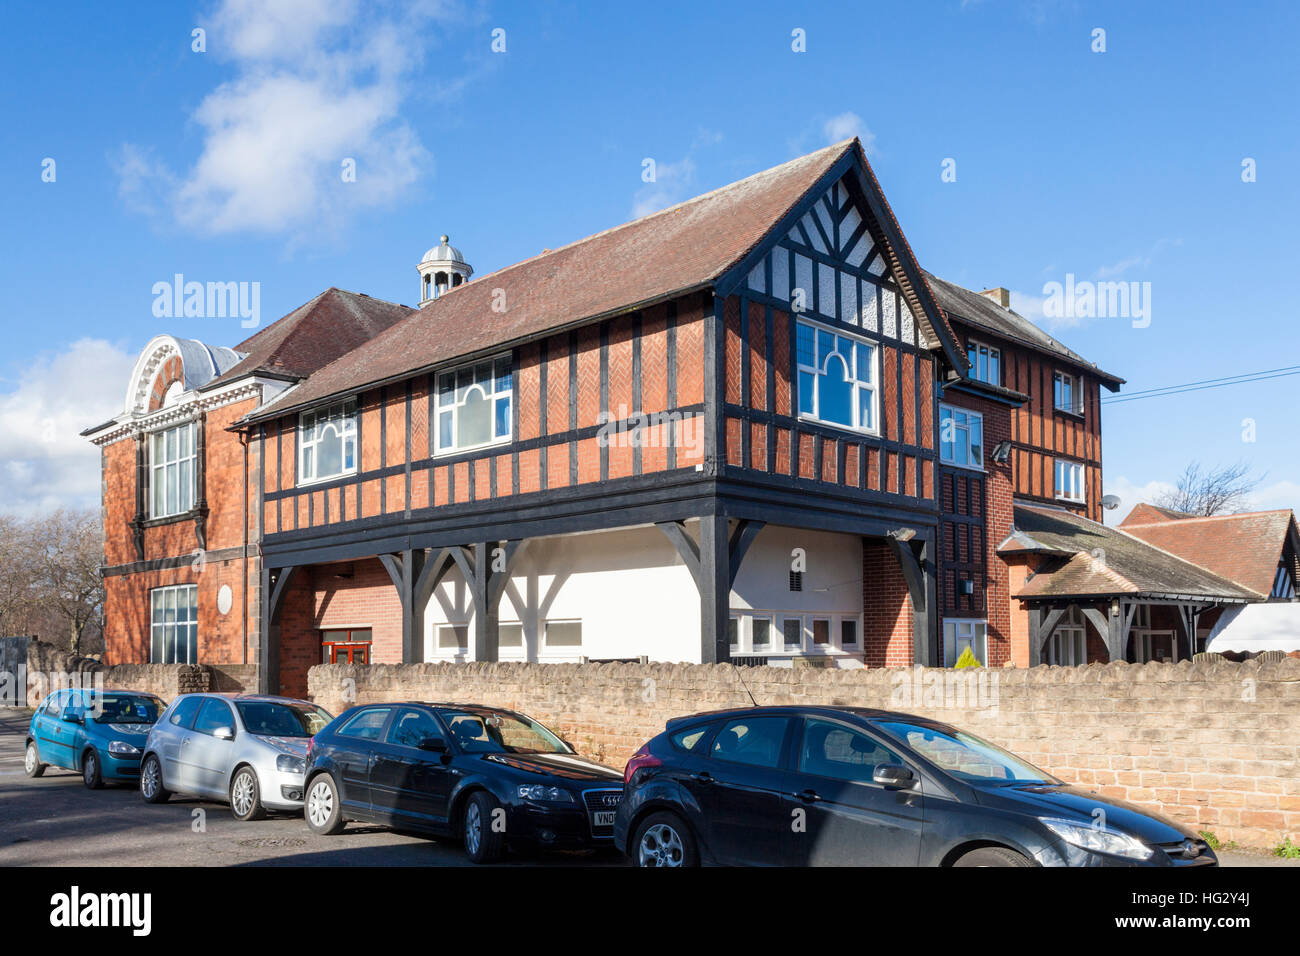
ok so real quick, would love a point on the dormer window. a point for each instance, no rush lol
(985, 362)
(327, 442)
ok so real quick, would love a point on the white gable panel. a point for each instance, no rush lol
(824, 217)
(848, 225)
(803, 279)
(860, 252)
(826, 291)
(781, 274)
(758, 277)
(889, 313)
(814, 236)
(870, 309)
(849, 298)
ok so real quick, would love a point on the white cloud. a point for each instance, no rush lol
(846, 124)
(44, 461)
(674, 183)
(1278, 494)
(316, 82)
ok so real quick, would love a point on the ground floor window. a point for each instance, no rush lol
(1068, 645)
(764, 632)
(563, 635)
(346, 645)
(958, 635)
(174, 629)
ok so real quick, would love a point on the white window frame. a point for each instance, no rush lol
(1075, 383)
(990, 354)
(776, 646)
(449, 404)
(183, 624)
(173, 464)
(1068, 477)
(949, 457)
(857, 384)
(978, 638)
(342, 417)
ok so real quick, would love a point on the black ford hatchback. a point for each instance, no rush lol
(799, 786)
(492, 777)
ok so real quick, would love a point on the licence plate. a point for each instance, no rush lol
(603, 818)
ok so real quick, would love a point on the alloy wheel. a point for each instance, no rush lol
(29, 761)
(149, 783)
(88, 768)
(241, 795)
(661, 846)
(320, 803)
(473, 828)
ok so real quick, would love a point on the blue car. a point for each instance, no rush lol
(98, 733)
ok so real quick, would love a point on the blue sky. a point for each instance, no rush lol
(224, 165)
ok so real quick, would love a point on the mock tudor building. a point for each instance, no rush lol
(747, 427)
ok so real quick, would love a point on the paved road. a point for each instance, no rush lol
(55, 821)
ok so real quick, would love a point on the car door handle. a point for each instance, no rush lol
(807, 796)
(703, 777)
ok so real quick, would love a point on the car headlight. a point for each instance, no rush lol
(543, 793)
(288, 763)
(1099, 840)
(121, 748)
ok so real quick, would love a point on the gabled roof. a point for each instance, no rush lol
(1107, 562)
(1244, 548)
(1144, 513)
(982, 312)
(314, 334)
(670, 253)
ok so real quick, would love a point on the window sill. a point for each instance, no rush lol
(1067, 412)
(452, 452)
(863, 433)
(1072, 501)
(953, 464)
(326, 480)
(172, 519)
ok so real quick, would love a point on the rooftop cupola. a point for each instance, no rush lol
(442, 268)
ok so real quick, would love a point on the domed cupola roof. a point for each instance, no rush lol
(442, 252)
(442, 268)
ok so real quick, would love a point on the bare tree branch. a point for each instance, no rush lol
(1223, 490)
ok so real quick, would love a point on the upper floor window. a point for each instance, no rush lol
(837, 378)
(172, 462)
(174, 625)
(1069, 480)
(1067, 392)
(475, 405)
(985, 362)
(961, 437)
(327, 442)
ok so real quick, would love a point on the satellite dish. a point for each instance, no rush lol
(1110, 502)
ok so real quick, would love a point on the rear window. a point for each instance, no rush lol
(366, 724)
(689, 738)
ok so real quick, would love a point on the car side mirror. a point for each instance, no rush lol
(73, 717)
(894, 776)
(434, 745)
(224, 733)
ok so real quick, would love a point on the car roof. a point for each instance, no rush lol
(235, 695)
(828, 710)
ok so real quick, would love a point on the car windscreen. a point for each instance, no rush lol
(125, 709)
(267, 718)
(491, 732)
(965, 756)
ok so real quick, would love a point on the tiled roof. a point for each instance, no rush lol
(981, 311)
(1144, 513)
(655, 258)
(1107, 561)
(1244, 548)
(315, 334)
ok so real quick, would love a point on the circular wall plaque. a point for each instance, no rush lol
(225, 599)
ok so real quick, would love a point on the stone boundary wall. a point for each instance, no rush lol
(1213, 744)
(49, 669)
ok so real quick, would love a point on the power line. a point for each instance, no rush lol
(1244, 378)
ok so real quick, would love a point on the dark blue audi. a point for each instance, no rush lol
(493, 778)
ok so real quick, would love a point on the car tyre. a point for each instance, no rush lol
(664, 839)
(91, 773)
(151, 781)
(322, 809)
(246, 796)
(993, 856)
(483, 842)
(32, 765)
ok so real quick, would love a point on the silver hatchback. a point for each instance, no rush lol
(245, 749)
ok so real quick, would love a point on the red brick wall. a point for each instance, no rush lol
(968, 549)
(126, 598)
(886, 608)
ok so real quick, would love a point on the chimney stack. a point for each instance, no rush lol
(999, 295)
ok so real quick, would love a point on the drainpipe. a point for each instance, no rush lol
(243, 590)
